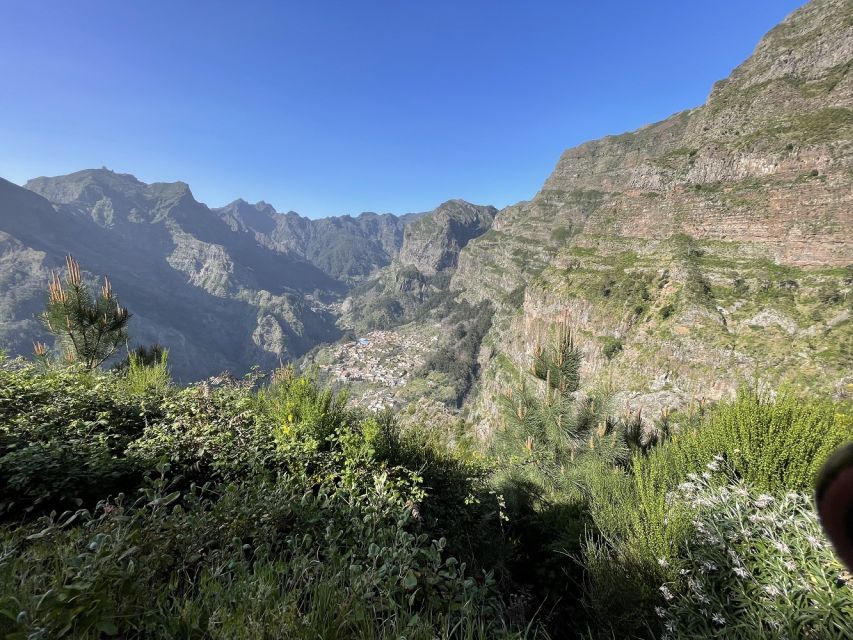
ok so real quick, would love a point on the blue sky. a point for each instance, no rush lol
(339, 107)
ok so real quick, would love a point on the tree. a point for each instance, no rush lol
(89, 328)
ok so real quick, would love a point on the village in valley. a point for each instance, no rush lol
(376, 366)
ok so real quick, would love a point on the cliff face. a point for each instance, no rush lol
(714, 246)
(432, 243)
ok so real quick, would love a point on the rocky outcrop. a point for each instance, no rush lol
(432, 242)
(344, 247)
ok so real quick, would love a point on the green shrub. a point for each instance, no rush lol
(612, 346)
(774, 444)
(63, 436)
(280, 513)
(147, 374)
(758, 567)
(667, 310)
(641, 530)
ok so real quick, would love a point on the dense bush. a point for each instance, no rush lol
(232, 511)
(758, 566)
(643, 525)
(267, 508)
(774, 444)
(457, 357)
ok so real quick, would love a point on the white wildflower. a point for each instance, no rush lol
(663, 562)
(661, 612)
(814, 542)
(782, 547)
(720, 620)
(713, 466)
(667, 594)
(790, 565)
(763, 500)
(741, 572)
(772, 590)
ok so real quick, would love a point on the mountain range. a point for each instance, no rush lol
(709, 250)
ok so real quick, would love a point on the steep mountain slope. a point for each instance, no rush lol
(698, 252)
(216, 298)
(224, 288)
(421, 272)
(343, 247)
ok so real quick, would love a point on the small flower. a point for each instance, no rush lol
(713, 466)
(718, 619)
(661, 612)
(706, 475)
(782, 547)
(667, 594)
(790, 565)
(741, 572)
(814, 542)
(772, 590)
(763, 500)
(663, 562)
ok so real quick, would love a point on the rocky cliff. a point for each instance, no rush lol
(698, 253)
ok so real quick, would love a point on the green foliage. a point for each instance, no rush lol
(457, 357)
(89, 329)
(667, 310)
(759, 566)
(232, 509)
(612, 347)
(147, 372)
(774, 444)
(559, 363)
(63, 436)
(642, 528)
(206, 517)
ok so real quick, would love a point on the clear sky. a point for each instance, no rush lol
(355, 105)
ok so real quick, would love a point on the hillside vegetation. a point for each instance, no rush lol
(266, 508)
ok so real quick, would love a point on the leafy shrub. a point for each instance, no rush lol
(641, 530)
(279, 513)
(117, 573)
(667, 310)
(612, 346)
(63, 436)
(773, 444)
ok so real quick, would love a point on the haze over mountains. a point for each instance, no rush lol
(693, 254)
